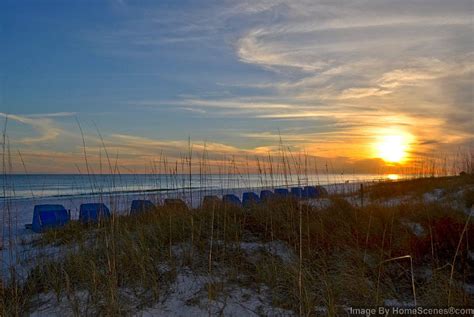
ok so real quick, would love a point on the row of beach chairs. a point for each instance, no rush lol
(55, 216)
(249, 198)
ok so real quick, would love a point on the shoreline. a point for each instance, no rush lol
(120, 201)
(19, 189)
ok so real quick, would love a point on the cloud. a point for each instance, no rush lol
(45, 127)
(331, 75)
(352, 61)
(220, 103)
(134, 154)
(52, 115)
(364, 62)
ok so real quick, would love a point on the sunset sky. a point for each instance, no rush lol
(356, 83)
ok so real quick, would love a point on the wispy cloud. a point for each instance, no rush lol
(364, 62)
(325, 76)
(51, 115)
(44, 126)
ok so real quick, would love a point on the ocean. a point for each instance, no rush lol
(61, 186)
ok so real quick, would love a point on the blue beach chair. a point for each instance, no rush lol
(314, 191)
(282, 192)
(266, 195)
(297, 192)
(231, 199)
(93, 212)
(250, 198)
(140, 206)
(49, 217)
(210, 201)
(310, 192)
(175, 204)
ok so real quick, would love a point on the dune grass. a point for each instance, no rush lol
(338, 254)
(417, 187)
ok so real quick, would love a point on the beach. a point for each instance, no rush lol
(198, 253)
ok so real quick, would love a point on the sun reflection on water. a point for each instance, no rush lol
(393, 177)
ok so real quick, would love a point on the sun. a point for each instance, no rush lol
(392, 148)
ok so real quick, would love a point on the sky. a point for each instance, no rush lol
(332, 79)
